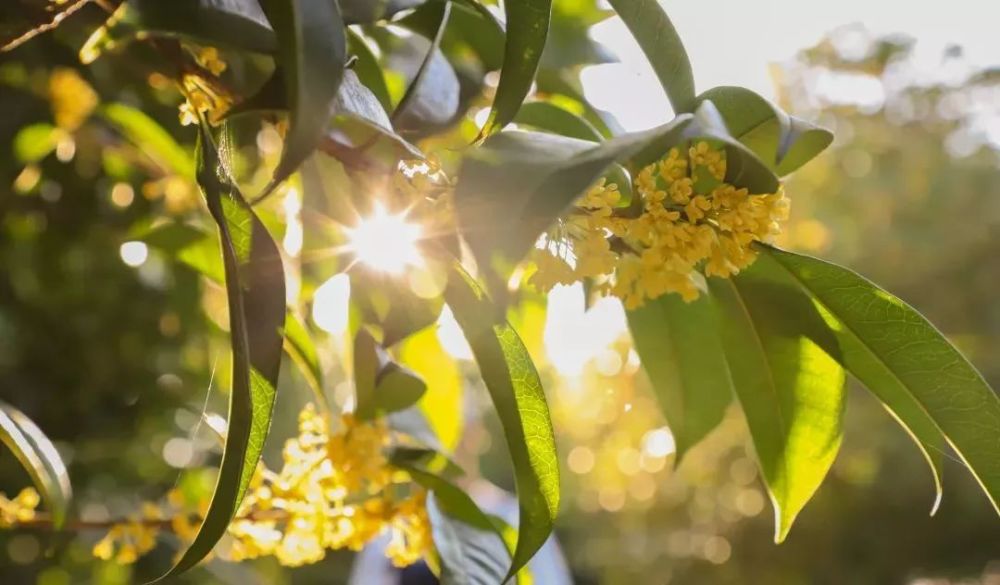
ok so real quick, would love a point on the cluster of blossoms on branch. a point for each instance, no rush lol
(686, 221)
(336, 490)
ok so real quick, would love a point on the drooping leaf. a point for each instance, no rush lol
(658, 39)
(312, 52)
(397, 388)
(906, 362)
(527, 29)
(155, 142)
(441, 13)
(395, 309)
(475, 27)
(472, 548)
(519, 400)
(239, 24)
(790, 389)
(255, 290)
(680, 349)
(36, 453)
(783, 142)
(189, 245)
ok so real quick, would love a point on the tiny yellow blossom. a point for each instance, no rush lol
(208, 57)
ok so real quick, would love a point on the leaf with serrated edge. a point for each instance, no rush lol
(907, 363)
(516, 390)
(790, 389)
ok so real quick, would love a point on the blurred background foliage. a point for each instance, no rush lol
(114, 347)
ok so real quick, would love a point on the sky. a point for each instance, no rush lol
(732, 42)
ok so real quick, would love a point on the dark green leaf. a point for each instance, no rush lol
(472, 548)
(239, 24)
(791, 390)
(300, 347)
(393, 308)
(397, 388)
(527, 28)
(681, 352)
(432, 97)
(365, 11)
(255, 290)
(659, 40)
(39, 457)
(366, 366)
(312, 51)
(516, 390)
(907, 363)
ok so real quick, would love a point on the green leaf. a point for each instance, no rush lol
(300, 347)
(189, 245)
(515, 186)
(312, 51)
(151, 139)
(35, 142)
(368, 69)
(527, 28)
(470, 555)
(432, 95)
(519, 400)
(783, 142)
(381, 384)
(803, 141)
(395, 309)
(550, 117)
(366, 365)
(658, 39)
(472, 547)
(365, 11)
(907, 363)
(255, 289)
(239, 24)
(39, 457)
(681, 351)
(791, 390)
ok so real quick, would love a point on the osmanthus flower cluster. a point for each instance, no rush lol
(335, 490)
(686, 222)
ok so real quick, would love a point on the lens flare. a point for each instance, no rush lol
(385, 241)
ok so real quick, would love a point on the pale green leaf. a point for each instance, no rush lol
(907, 363)
(790, 389)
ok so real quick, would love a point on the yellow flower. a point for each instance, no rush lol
(680, 231)
(20, 509)
(126, 542)
(71, 98)
(208, 57)
(202, 99)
